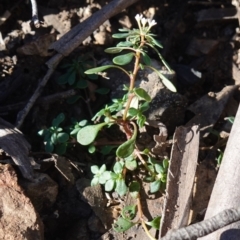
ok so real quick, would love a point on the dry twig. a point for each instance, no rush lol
(206, 227)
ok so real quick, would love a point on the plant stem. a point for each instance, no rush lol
(135, 71)
(140, 212)
(130, 97)
(133, 77)
(143, 162)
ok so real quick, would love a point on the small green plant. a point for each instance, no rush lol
(75, 75)
(55, 139)
(128, 113)
(76, 78)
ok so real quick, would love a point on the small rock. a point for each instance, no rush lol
(19, 220)
(42, 190)
(102, 38)
(94, 197)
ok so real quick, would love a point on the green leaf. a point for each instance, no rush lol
(121, 187)
(122, 225)
(102, 91)
(102, 169)
(155, 223)
(166, 82)
(62, 137)
(94, 181)
(142, 94)
(54, 138)
(131, 165)
(109, 185)
(72, 78)
(93, 76)
(154, 41)
(164, 178)
(151, 168)
(127, 148)
(155, 186)
(220, 157)
(151, 160)
(120, 35)
(63, 79)
(123, 30)
(148, 179)
(82, 123)
(107, 149)
(129, 212)
(72, 99)
(117, 168)
(82, 84)
(134, 189)
(114, 50)
(74, 131)
(87, 134)
(230, 119)
(144, 107)
(157, 43)
(47, 135)
(49, 146)
(105, 176)
(159, 168)
(91, 149)
(94, 169)
(98, 69)
(125, 44)
(129, 158)
(56, 121)
(146, 59)
(60, 149)
(165, 163)
(59, 129)
(123, 59)
(114, 176)
(133, 112)
(141, 120)
(43, 132)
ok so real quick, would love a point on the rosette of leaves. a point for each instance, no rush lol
(55, 139)
(160, 177)
(76, 78)
(112, 180)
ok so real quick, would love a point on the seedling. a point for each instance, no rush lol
(55, 139)
(128, 113)
(75, 77)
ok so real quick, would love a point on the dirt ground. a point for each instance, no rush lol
(201, 42)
